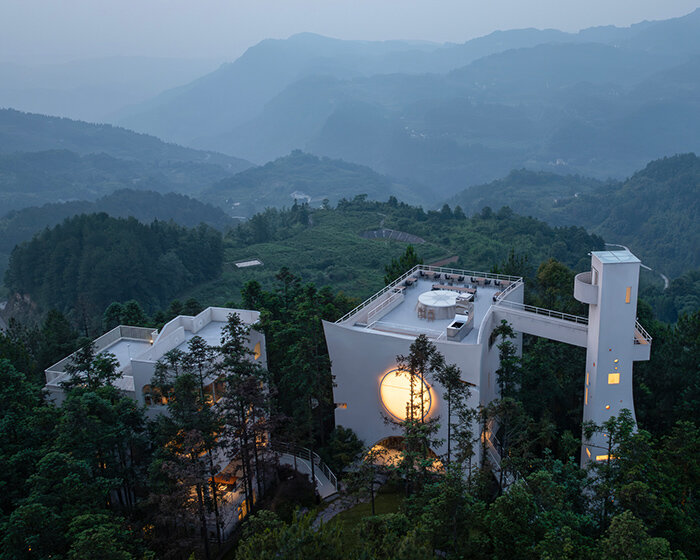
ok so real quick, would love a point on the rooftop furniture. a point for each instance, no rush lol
(461, 289)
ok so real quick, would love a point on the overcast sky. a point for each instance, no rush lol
(54, 30)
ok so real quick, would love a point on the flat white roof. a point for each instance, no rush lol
(608, 257)
(211, 334)
(245, 264)
(405, 315)
(400, 318)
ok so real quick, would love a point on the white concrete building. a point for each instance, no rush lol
(137, 350)
(453, 308)
(614, 342)
(458, 310)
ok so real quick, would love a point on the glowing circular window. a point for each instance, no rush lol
(395, 392)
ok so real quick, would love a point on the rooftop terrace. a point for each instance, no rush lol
(396, 309)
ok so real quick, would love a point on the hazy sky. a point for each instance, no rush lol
(48, 30)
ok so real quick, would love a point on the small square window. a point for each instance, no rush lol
(613, 378)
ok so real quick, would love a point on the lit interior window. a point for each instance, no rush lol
(341, 405)
(603, 457)
(587, 377)
(628, 294)
(585, 396)
(613, 378)
(395, 392)
(588, 452)
(257, 352)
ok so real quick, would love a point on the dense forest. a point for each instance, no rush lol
(88, 261)
(21, 225)
(70, 465)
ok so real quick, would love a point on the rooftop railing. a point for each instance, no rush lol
(414, 272)
(543, 312)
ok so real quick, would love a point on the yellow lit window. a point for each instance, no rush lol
(585, 396)
(395, 392)
(588, 452)
(588, 375)
(341, 405)
(613, 378)
(603, 457)
(257, 352)
(628, 294)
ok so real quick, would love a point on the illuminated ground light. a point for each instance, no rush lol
(395, 392)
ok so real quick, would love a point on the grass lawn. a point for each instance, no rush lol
(387, 501)
(384, 502)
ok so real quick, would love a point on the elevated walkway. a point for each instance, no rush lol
(300, 459)
(546, 323)
(561, 327)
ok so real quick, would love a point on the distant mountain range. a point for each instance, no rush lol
(601, 102)
(50, 159)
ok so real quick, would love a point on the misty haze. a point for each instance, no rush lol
(349, 280)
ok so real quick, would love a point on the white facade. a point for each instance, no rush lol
(137, 350)
(364, 344)
(615, 340)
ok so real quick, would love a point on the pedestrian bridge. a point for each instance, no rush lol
(562, 327)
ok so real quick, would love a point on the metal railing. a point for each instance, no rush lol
(544, 312)
(305, 453)
(396, 297)
(512, 286)
(644, 337)
(427, 268)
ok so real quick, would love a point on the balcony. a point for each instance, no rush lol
(584, 290)
(641, 349)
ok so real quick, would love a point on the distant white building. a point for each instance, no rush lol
(137, 349)
(459, 310)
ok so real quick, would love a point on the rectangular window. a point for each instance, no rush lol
(613, 378)
(341, 405)
(585, 396)
(602, 457)
(595, 276)
(588, 378)
(588, 452)
(628, 295)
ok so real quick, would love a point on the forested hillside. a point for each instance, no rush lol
(20, 225)
(88, 261)
(303, 177)
(29, 132)
(34, 178)
(655, 212)
(325, 246)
